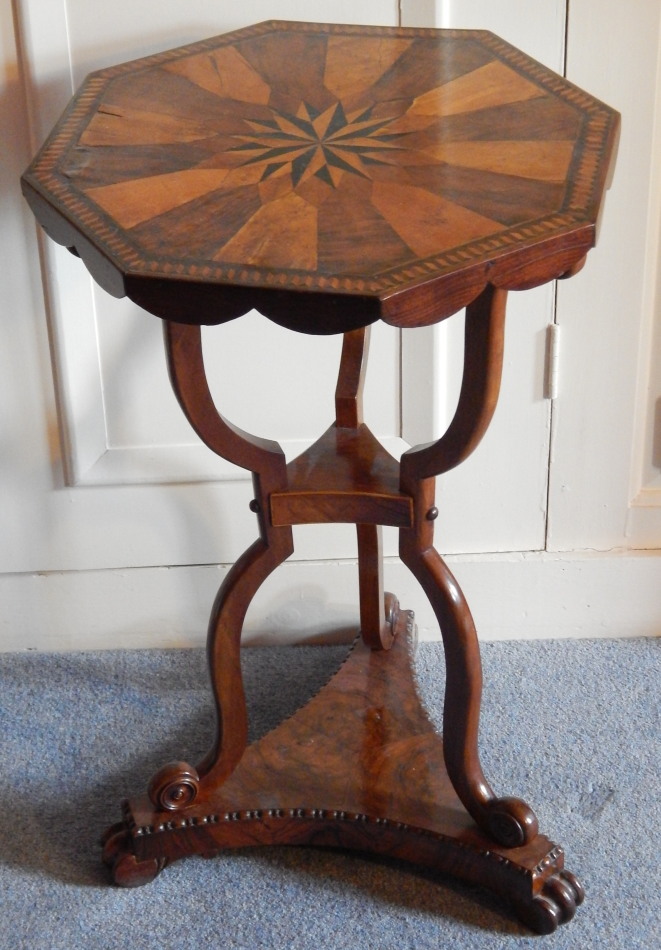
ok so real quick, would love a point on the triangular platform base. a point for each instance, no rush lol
(361, 767)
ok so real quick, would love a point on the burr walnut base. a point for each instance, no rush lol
(359, 767)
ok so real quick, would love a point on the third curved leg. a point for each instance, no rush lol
(178, 784)
(509, 821)
(224, 651)
(378, 609)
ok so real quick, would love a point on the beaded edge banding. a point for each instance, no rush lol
(553, 861)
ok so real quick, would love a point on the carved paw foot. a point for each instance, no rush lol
(555, 904)
(511, 822)
(125, 868)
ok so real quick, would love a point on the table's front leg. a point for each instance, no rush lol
(509, 821)
(378, 609)
(178, 784)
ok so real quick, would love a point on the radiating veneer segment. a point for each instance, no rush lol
(355, 62)
(493, 84)
(225, 73)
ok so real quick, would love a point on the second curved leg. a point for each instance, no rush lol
(178, 784)
(224, 648)
(378, 610)
(509, 821)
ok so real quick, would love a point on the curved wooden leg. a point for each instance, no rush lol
(377, 609)
(177, 785)
(509, 821)
(223, 651)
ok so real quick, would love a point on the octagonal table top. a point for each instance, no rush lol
(327, 175)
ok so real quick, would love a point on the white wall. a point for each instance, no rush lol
(105, 542)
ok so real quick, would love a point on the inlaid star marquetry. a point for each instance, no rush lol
(325, 160)
(323, 144)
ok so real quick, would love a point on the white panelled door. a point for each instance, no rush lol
(496, 500)
(105, 491)
(605, 491)
(122, 425)
(139, 488)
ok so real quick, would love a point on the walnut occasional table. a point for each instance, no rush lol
(331, 176)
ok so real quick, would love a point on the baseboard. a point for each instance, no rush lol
(513, 596)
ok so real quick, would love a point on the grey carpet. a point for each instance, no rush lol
(571, 726)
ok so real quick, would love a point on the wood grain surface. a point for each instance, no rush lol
(321, 159)
(330, 176)
(359, 767)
